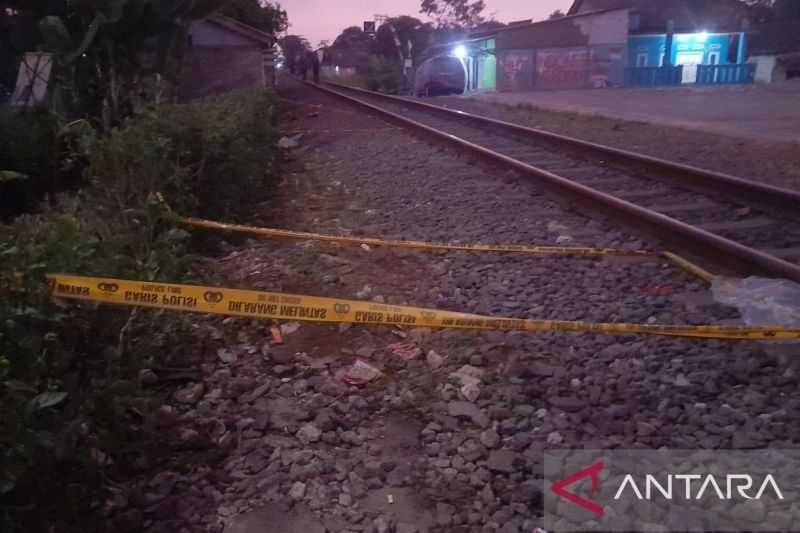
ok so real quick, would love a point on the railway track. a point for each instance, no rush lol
(737, 223)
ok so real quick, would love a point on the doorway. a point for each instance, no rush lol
(689, 60)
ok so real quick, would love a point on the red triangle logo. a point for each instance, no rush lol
(594, 472)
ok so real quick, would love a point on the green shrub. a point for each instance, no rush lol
(26, 141)
(210, 159)
(26, 157)
(67, 375)
(71, 411)
(39, 155)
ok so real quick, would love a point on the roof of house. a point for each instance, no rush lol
(560, 20)
(241, 28)
(555, 33)
(598, 4)
(775, 38)
(688, 15)
(550, 32)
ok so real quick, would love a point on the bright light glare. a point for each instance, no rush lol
(702, 36)
(460, 51)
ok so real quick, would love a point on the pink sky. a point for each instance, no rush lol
(325, 19)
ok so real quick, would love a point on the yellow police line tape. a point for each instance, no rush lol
(280, 306)
(518, 248)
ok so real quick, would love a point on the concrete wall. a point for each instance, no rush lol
(559, 68)
(515, 70)
(220, 60)
(217, 69)
(605, 28)
(584, 67)
(575, 52)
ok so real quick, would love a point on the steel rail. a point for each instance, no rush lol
(787, 200)
(726, 250)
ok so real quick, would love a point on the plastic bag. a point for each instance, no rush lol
(761, 301)
(361, 373)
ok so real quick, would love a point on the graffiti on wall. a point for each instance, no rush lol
(515, 70)
(597, 66)
(566, 67)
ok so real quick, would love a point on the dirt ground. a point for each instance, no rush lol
(272, 441)
(721, 138)
(766, 112)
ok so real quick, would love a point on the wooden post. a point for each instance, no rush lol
(668, 44)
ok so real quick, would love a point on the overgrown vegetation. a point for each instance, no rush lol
(73, 414)
(77, 421)
(385, 75)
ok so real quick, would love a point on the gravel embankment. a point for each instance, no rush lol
(298, 450)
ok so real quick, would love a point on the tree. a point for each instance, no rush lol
(293, 47)
(410, 32)
(454, 12)
(557, 14)
(265, 16)
(103, 51)
(787, 9)
(777, 10)
(352, 48)
(761, 10)
(353, 37)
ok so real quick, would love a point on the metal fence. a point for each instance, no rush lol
(706, 75)
(726, 74)
(653, 76)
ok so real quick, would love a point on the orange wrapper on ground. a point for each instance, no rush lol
(277, 338)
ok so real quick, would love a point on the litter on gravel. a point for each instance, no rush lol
(405, 351)
(361, 373)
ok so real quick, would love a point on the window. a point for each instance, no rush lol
(641, 60)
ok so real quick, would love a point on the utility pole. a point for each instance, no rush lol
(668, 44)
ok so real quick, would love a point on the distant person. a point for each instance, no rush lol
(315, 66)
(303, 62)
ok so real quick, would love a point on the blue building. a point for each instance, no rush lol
(688, 50)
(708, 40)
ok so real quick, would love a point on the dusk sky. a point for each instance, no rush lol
(325, 19)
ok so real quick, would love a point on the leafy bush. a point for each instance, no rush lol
(39, 155)
(26, 157)
(385, 75)
(72, 414)
(210, 158)
(26, 141)
(67, 375)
